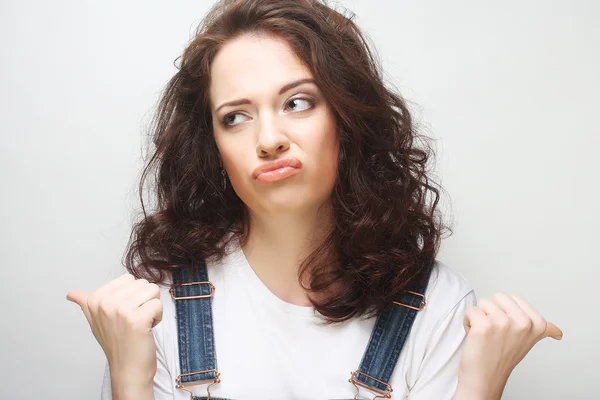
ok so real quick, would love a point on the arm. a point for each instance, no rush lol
(468, 391)
(115, 389)
(158, 389)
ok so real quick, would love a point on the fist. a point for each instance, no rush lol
(121, 315)
(500, 332)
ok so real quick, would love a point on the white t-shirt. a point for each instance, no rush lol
(267, 348)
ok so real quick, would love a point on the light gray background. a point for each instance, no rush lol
(510, 90)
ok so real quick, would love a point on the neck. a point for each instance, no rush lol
(276, 246)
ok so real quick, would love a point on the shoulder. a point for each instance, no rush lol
(432, 353)
(447, 281)
(448, 293)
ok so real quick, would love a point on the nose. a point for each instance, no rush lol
(271, 138)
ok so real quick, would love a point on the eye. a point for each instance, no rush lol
(299, 104)
(232, 119)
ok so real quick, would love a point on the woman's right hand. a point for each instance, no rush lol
(121, 315)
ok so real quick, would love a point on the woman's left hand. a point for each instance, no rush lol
(500, 333)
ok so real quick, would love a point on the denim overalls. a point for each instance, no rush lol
(192, 293)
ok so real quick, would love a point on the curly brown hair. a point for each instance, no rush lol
(387, 228)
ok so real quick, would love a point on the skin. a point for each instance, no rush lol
(286, 219)
(285, 216)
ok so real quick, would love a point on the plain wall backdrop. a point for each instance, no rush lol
(510, 90)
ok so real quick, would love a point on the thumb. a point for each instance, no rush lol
(80, 298)
(553, 331)
(467, 325)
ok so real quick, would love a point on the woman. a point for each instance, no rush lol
(293, 240)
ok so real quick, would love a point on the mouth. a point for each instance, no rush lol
(278, 170)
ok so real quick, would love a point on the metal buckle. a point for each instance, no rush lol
(423, 302)
(202, 296)
(382, 394)
(181, 386)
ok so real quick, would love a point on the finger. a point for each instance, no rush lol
(152, 310)
(508, 305)
(525, 306)
(111, 287)
(519, 318)
(135, 294)
(80, 298)
(142, 294)
(548, 329)
(553, 331)
(493, 311)
(474, 317)
(75, 296)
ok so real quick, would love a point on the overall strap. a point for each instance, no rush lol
(387, 339)
(193, 293)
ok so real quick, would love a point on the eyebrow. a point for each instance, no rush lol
(283, 89)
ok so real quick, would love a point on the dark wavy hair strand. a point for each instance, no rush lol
(386, 226)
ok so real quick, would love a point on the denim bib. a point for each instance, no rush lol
(192, 292)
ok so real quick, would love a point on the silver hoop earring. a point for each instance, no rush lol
(223, 173)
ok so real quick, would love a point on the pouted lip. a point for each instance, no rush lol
(273, 165)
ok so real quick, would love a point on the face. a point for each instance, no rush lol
(274, 130)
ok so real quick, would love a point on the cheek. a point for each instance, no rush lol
(233, 164)
(237, 160)
(329, 149)
(231, 160)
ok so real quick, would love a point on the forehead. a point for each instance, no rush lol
(253, 65)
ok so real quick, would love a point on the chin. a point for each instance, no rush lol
(290, 199)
